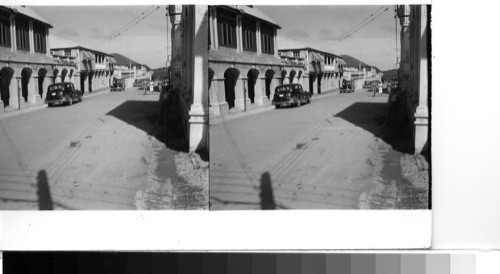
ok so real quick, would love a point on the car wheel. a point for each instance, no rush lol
(277, 106)
(309, 100)
(50, 104)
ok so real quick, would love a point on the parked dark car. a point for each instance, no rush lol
(62, 93)
(290, 94)
(118, 84)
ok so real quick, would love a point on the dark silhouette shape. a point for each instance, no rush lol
(44, 198)
(266, 192)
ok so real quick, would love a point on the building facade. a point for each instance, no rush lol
(189, 73)
(323, 70)
(244, 65)
(26, 65)
(414, 71)
(94, 68)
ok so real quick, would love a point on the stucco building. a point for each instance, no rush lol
(323, 70)
(359, 71)
(94, 68)
(26, 65)
(189, 69)
(244, 66)
(128, 69)
(414, 71)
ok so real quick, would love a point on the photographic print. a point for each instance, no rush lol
(98, 109)
(320, 107)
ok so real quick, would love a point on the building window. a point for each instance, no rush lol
(296, 54)
(249, 35)
(226, 24)
(22, 34)
(267, 33)
(40, 39)
(4, 29)
(67, 52)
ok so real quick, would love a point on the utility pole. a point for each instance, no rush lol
(396, 31)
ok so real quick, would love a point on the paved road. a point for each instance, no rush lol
(92, 155)
(321, 155)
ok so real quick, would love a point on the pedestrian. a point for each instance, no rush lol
(374, 88)
(380, 87)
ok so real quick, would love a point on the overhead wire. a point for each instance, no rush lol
(131, 24)
(359, 26)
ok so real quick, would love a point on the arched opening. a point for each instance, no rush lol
(283, 76)
(90, 76)
(230, 77)
(312, 78)
(25, 80)
(269, 78)
(320, 78)
(54, 75)
(292, 75)
(41, 77)
(64, 72)
(6, 74)
(252, 75)
(83, 78)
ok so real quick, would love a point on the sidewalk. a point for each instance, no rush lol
(42, 105)
(259, 109)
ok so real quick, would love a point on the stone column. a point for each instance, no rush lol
(239, 34)
(31, 38)
(198, 113)
(258, 36)
(213, 29)
(15, 92)
(239, 94)
(260, 95)
(47, 41)
(422, 111)
(32, 94)
(13, 41)
(275, 43)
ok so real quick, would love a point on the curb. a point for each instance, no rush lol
(220, 119)
(43, 105)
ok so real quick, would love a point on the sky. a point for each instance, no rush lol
(321, 26)
(89, 26)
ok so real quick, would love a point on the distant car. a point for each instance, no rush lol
(290, 94)
(62, 93)
(367, 84)
(139, 82)
(118, 84)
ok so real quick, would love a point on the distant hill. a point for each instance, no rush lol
(353, 62)
(122, 60)
(391, 74)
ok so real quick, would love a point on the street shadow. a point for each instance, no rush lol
(266, 192)
(159, 119)
(44, 198)
(372, 117)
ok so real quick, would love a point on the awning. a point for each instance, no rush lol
(87, 55)
(111, 60)
(341, 61)
(316, 57)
